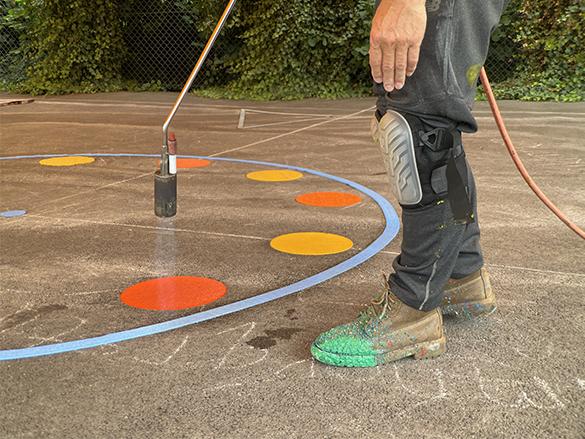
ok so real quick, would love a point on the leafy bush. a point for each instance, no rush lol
(11, 63)
(270, 49)
(68, 46)
(505, 53)
(552, 35)
(151, 30)
(303, 49)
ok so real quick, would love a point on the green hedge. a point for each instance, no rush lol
(552, 35)
(67, 46)
(303, 48)
(272, 49)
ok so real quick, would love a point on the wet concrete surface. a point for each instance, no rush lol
(90, 232)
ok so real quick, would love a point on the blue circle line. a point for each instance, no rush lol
(389, 233)
(12, 213)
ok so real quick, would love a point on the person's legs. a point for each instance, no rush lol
(440, 94)
(435, 247)
(440, 233)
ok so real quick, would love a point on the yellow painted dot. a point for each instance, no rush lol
(67, 161)
(275, 175)
(311, 243)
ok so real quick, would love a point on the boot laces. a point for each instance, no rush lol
(381, 305)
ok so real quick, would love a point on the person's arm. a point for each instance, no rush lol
(397, 32)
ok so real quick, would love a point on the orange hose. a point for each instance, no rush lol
(506, 137)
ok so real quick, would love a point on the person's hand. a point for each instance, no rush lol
(397, 32)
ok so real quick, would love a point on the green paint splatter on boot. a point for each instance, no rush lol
(345, 345)
(373, 339)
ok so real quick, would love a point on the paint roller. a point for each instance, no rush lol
(165, 179)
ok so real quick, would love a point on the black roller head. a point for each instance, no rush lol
(165, 195)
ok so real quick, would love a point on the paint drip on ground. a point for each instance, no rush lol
(272, 337)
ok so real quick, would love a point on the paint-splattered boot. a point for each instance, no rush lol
(385, 331)
(469, 297)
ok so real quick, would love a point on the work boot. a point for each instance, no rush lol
(385, 331)
(469, 297)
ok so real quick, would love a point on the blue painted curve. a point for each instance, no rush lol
(12, 213)
(388, 234)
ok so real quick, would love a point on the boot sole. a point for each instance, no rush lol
(420, 351)
(470, 310)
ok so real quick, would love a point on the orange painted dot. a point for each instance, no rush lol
(173, 293)
(329, 199)
(191, 163)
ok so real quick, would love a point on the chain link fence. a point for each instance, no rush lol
(9, 43)
(163, 46)
(164, 39)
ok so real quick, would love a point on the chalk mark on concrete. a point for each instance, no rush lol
(56, 337)
(298, 130)
(86, 192)
(278, 372)
(240, 340)
(87, 293)
(515, 267)
(549, 392)
(27, 307)
(441, 394)
(142, 226)
(168, 358)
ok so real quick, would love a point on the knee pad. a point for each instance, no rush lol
(394, 136)
(423, 165)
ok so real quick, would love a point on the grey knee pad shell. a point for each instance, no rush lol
(442, 168)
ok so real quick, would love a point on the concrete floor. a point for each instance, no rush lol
(90, 232)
